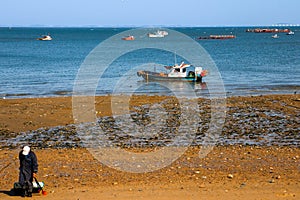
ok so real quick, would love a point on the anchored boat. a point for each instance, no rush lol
(268, 30)
(158, 34)
(45, 38)
(291, 33)
(217, 37)
(182, 72)
(130, 37)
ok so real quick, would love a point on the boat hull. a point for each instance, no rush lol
(128, 38)
(43, 39)
(154, 76)
(155, 36)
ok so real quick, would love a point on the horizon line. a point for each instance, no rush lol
(145, 26)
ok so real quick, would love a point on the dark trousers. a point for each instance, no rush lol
(25, 179)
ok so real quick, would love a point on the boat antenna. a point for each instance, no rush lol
(175, 59)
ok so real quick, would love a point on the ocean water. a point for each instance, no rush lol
(251, 64)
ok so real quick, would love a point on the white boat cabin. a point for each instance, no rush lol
(182, 71)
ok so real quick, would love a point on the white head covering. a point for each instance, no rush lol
(26, 150)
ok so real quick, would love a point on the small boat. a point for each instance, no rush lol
(45, 38)
(275, 36)
(130, 37)
(182, 72)
(291, 33)
(268, 30)
(217, 37)
(158, 34)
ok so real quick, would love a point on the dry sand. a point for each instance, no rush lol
(227, 172)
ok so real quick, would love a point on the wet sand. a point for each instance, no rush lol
(227, 172)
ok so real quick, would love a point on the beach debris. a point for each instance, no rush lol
(242, 185)
(230, 176)
(295, 157)
(278, 177)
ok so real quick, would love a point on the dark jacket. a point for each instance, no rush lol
(28, 165)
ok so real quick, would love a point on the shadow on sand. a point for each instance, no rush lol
(11, 192)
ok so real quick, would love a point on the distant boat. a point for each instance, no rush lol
(130, 37)
(268, 30)
(291, 33)
(158, 34)
(45, 38)
(217, 37)
(275, 36)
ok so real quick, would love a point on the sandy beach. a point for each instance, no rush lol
(237, 171)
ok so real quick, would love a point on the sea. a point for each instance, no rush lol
(250, 64)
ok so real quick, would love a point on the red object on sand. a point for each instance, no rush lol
(43, 191)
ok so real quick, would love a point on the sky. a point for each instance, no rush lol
(148, 12)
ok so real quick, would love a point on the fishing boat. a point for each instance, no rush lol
(130, 37)
(158, 34)
(45, 38)
(183, 72)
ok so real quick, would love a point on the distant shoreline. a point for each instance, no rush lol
(148, 26)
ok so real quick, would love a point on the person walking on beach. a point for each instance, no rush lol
(28, 170)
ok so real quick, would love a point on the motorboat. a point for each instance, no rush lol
(275, 36)
(291, 33)
(45, 38)
(183, 72)
(130, 37)
(158, 34)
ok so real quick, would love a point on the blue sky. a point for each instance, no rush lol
(148, 12)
